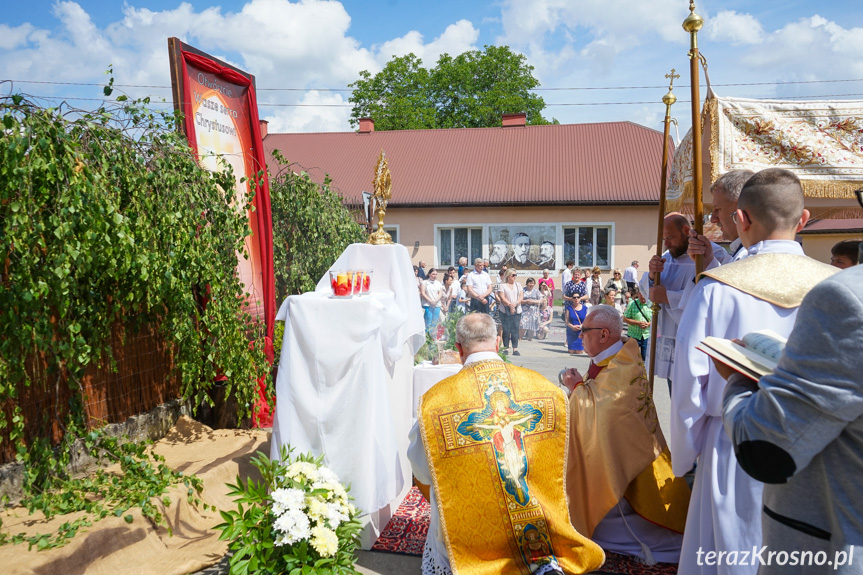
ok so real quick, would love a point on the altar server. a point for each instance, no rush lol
(725, 190)
(732, 300)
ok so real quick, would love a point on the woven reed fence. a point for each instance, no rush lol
(143, 380)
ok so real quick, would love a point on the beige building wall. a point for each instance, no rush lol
(632, 229)
(818, 246)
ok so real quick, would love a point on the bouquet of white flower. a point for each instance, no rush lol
(299, 519)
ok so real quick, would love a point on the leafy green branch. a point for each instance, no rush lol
(106, 220)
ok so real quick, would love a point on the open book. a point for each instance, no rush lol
(757, 359)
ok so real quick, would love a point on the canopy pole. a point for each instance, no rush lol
(668, 100)
(693, 24)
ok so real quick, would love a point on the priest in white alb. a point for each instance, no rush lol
(676, 270)
(729, 302)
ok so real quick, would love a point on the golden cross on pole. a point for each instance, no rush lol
(668, 100)
(671, 78)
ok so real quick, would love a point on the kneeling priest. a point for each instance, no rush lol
(491, 442)
(622, 492)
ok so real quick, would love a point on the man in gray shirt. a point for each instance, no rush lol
(800, 431)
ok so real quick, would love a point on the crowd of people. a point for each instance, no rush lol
(754, 476)
(523, 311)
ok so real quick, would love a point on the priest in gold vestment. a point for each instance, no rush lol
(491, 443)
(622, 492)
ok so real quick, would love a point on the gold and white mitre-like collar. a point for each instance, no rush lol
(756, 274)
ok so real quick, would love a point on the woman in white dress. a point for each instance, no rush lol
(432, 294)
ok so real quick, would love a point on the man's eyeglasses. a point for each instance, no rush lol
(736, 219)
(587, 329)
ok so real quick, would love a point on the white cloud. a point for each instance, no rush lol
(11, 38)
(729, 26)
(571, 43)
(305, 44)
(811, 48)
(620, 24)
(330, 118)
(457, 38)
(587, 42)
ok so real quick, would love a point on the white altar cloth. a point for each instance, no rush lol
(344, 380)
(331, 391)
(393, 272)
(425, 376)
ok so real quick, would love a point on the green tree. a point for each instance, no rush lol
(471, 90)
(311, 228)
(398, 97)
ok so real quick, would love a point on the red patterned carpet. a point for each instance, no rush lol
(406, 534)
(406, 531)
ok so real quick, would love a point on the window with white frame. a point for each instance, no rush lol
(454, 242)
(587, 246)
(393, 232)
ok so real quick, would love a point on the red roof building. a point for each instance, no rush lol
(587, 192)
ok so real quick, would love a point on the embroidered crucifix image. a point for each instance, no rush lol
(503, 423)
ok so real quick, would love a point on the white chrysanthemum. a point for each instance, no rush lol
(304, 468)
(281, 540)
(317, 509)
(294, 524)
(288, 500)
(335, 514)
(335, 490)
(327, 475)
(325, 541)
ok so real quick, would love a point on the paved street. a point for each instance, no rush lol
(547, 357)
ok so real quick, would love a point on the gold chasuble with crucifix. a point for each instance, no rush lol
(496, 441)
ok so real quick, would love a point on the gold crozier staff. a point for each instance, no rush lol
(668, 100)
(693, 24)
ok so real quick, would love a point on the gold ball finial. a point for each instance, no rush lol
(693, 22)
(669, 98)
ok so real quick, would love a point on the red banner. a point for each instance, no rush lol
(222, 126)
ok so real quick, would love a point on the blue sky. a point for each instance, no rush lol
(313, 45)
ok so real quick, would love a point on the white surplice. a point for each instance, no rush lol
(676, 276)
(725, 509)
(737, 252)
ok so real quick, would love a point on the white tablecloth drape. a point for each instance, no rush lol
(342, 389)
(425, 376)
(331, 390)
(393, 272)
